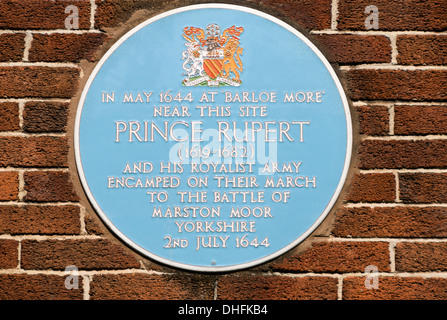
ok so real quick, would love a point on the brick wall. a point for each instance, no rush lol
(392, 217)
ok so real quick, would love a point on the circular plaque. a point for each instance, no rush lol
(213, 138)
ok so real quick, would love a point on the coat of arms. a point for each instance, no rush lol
(212, 58)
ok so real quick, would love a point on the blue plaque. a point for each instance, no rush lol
(213, 138)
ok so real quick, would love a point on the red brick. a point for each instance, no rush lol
(31, 219)
(38, 82)
(139, 286)
(12, 46)
(9, 185)
(396, 288)
(9, 254)
(9, 116)
(420, 120)
(312, 15)
(337, 257)
(394, 15)
(373, 120)
(41, 14)
(38, 287)
(43, 186)
(246, 287)
(372, 187)
(34, 151)
(422, 49)
(384, 84)
(110, 13)
(45, 116)
(393, 222)
(61, 47)
(355, 49)
(92, 225)
(423, 187)
(87, 254)
(421, 257)
(402, 154)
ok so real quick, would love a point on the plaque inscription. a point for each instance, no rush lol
(213, 138)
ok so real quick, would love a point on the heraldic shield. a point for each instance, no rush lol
(212, 58)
